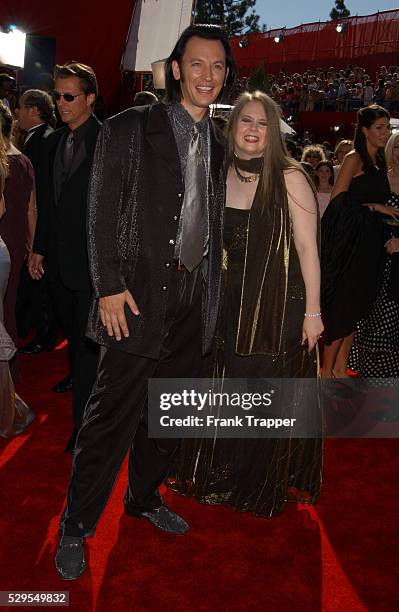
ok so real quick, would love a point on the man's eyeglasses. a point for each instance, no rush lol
(68, 97)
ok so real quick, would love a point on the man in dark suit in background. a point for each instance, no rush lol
(61, 232)
(155, 243)
(35, 113)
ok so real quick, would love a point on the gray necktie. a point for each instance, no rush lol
(194, 206)
(67, 155)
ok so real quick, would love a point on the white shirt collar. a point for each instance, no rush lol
(32, 130)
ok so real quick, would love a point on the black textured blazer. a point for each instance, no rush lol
(135, 199)
(61, 230)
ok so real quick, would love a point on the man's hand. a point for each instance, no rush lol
(112, 312)
(35, 266)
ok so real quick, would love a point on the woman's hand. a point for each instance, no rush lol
(392, 246)
(390, 211)
(312, 329)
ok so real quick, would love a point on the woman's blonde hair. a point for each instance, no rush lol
(275, 157)
(315, 150)
(389, 147)
(340, 144)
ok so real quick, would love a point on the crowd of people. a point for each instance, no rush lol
(160, 249)
(335, 90)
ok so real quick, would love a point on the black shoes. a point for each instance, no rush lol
(164, 519)
(64, 385)
(70, 558)
(35, 347)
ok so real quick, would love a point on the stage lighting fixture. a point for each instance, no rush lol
(243, 42)
(280, 37)
(12, 47)
(341, 28)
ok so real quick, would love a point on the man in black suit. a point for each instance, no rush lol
(61, 231)
(155, 247)
(35, 113)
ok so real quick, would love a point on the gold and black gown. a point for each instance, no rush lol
(253, 475)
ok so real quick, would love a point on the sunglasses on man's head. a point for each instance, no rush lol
(68, 97)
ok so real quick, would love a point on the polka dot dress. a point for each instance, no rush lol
(375, 350)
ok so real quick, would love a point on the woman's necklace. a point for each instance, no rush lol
(245, 179)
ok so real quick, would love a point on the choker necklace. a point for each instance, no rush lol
(254, 165)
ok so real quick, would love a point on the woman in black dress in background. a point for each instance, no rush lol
(375, 350)
(270, 312)
(352, 240)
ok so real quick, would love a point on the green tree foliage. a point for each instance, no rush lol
(236, 16)
(339, 11)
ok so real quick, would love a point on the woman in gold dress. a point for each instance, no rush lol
(269, 321)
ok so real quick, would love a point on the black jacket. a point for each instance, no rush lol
(135, 199)
(61, 229)
(35, 149)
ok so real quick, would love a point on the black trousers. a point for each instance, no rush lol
(35, 309)
(73, 311)
(115, 417)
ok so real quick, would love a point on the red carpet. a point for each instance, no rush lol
(340, 555)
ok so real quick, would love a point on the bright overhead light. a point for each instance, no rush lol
(12, 48)
(243, 42)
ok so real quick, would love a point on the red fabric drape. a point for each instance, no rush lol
(87, 31)
(369, 41)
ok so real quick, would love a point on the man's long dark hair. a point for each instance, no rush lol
(365, 118)
(207, 32)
